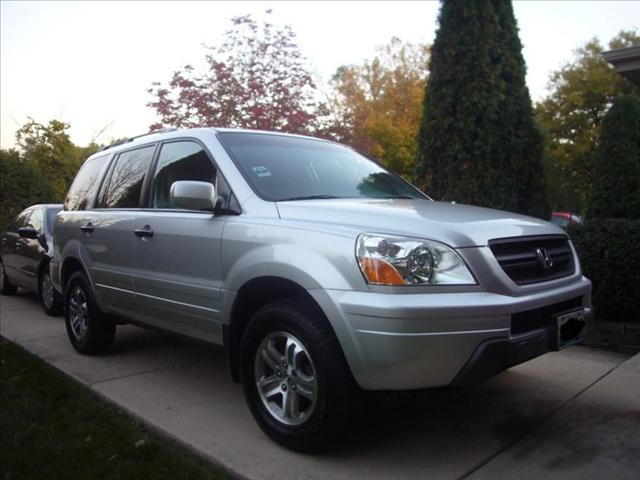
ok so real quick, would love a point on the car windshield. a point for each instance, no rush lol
(281, 168)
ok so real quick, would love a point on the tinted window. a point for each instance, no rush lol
(20, 221)
(125, 182)
(35, 220)
(560, 221)
(286, 168)
(179, 161)
(85, 184)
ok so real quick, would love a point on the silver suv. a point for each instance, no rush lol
(320, 273)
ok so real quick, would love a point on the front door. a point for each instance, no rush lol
(177, 273)
(12, 249)
(32, 249)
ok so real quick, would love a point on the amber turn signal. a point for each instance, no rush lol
(380, 271)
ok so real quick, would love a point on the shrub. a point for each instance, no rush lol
(609, 251)
(22, 183)
(616, 183)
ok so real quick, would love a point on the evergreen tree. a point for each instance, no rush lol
(478, 141)
(616, 183)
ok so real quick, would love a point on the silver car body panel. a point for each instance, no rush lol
(187, 276)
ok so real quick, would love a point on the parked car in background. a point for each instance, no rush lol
(320, 273)
(564, 219)
(25, 252)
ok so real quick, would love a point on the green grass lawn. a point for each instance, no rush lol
(52, 427)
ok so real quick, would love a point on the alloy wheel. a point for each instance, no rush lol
(286, 378)
(78, 313)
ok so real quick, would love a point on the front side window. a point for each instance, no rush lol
(281, 168)
(123, 188)
(35, 220)
(85, 184)
(179, 161)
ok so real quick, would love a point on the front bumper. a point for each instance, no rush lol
(413, 341)
(495, 355)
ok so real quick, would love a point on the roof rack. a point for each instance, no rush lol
(131, 139)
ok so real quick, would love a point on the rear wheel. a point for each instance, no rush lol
(50, 299)
(90, 331)
(6, 288)
(296, 380)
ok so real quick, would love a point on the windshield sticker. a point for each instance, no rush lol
(261, 171)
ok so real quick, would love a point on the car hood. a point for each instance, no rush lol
(454, 224)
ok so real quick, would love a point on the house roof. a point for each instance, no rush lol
(626, 61)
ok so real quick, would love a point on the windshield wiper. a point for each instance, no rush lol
(308, 197)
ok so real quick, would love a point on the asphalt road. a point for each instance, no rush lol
(571, 414)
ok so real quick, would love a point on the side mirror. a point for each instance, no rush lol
(28, 232)
(192, 195)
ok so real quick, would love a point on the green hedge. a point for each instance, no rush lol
(609, 251)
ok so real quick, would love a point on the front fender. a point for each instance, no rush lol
(305, 267)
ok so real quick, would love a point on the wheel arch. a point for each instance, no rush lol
(70, 265)
(253, 295)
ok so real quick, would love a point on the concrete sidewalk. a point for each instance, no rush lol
(572, 414)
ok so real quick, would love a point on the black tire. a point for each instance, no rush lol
(99, 330)
(6, 288)
(51, 301)
(336, 388)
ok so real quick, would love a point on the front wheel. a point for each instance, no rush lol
(50, 299)
(90, 331)
(296, 380)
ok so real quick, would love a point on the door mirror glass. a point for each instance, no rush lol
(194, 195)
(28, 232)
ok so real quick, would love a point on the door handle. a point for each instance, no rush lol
(87, 228)
(145, 232)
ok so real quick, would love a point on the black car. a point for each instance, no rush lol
(25, 251)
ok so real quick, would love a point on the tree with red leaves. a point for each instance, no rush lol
(256, 79)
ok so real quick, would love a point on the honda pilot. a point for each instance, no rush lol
(322, 274)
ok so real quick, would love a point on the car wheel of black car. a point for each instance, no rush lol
(5, 286)
(295, 377)
(50, 299)
(90, 330)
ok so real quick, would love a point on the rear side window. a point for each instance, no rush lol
(560, 221)
(180, 161)
(85, 184)
(125, 182)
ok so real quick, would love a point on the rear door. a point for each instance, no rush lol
(109, 230)
(177, 273)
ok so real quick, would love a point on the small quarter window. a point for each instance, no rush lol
(85, 184)
(179, 161)
(125, 183)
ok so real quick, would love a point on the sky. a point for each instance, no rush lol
(90, 63)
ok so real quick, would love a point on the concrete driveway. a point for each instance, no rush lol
(573, 414)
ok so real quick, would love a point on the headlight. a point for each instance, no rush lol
(389, 260)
